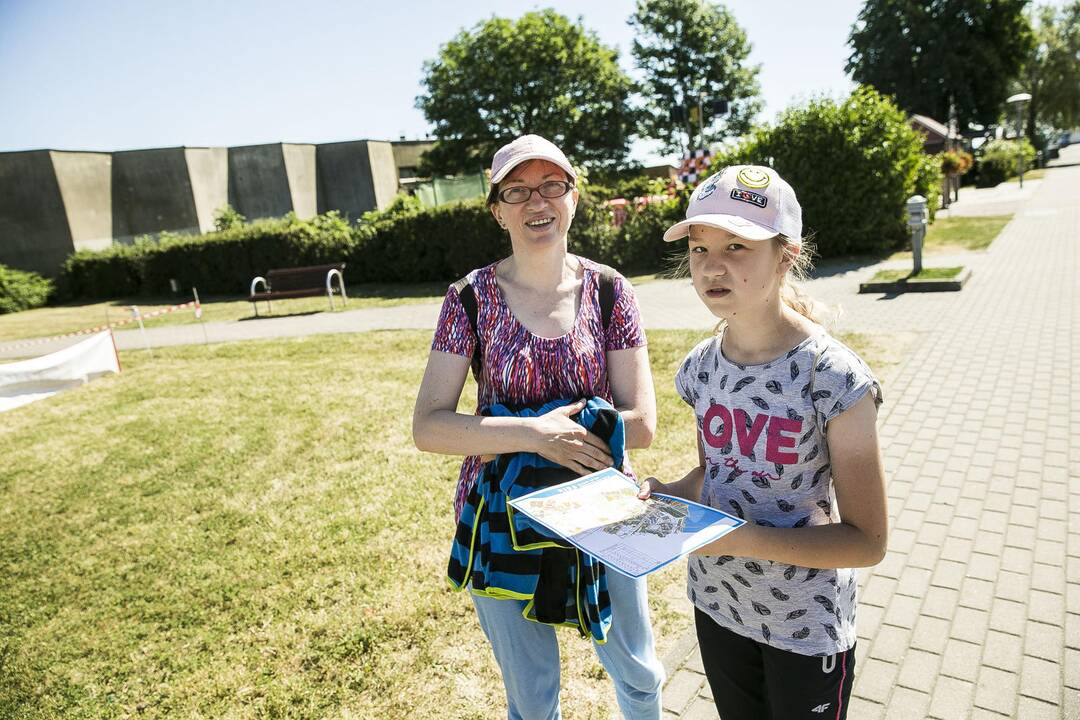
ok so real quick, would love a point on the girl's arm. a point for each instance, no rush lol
(858, 540)
(632, 390)
(439, 428)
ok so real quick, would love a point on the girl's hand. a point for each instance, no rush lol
(652, 485)
(563, 441)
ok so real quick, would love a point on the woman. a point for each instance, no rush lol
(543, 337)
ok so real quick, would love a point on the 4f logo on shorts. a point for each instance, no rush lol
(821, 708)
(749, 196)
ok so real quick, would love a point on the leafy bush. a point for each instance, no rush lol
(997, 161)
(227, 217)
(22, 290)
(928, 182)
(410, 244)
(853, 164)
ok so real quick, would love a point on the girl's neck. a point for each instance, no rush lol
(539, 271)
(751, 339)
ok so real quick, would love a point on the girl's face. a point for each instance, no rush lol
(538, 221)
(732, 275)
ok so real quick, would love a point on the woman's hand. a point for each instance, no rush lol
(563, 441)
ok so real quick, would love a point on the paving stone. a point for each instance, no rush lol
(903, 611)
(919, 670)
(681, 688)
(907, 704)
(923, 556)
(860, 709)
(1040, 679)
(1048, 578)
(1046, 607)
(875, 681)
(891, 644)
(996, 690)
(1008, 616)
(1045, 641)
(1018, 560)
(1003, 651)
(1012, 586)
(1072, 668)
(961, 660)
(1032, 709)
(700, 709)
(942, 602)
(978, 594)
(949, 574)
(931, 634)
(957, 549)
(970, 624)
(914, 582)
(951, 699)
(982, 566)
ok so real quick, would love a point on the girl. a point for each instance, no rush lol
(542, 333)
(787, 440)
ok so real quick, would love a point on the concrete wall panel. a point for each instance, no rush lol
(300, 169)
(258, 181)
(208, 169)
(344, 178)
(151, 192)
(34, 232)
(85, 181)
(384, 177)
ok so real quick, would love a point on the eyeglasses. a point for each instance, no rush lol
(550, 190)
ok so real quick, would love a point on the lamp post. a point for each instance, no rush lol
(1019, 99)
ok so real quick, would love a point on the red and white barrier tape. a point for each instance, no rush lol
(135, 315)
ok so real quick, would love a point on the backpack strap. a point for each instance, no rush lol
(468, 302)
(607, 294)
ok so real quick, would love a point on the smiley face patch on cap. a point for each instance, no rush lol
(753, 177)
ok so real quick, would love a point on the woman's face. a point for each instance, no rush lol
(539, 221)
(732, 275)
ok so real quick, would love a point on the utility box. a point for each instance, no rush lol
(918, 215)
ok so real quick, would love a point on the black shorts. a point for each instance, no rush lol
(753, 681)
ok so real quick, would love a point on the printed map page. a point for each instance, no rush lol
(602, 515)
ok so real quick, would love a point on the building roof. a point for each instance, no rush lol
(932, 126)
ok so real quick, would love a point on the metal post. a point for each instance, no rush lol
(701, 122)
(1019, 143)
(917, 216)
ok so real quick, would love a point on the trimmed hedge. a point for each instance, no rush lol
(853, 164)
(410, 244)
(22, 290)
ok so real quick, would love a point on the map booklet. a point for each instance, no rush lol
(601, 515)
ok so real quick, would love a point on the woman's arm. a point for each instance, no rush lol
(632, 390)
(439, 428)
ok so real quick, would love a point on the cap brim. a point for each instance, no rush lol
(738, 226)
(505, 169)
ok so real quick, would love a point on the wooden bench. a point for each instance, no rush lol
(299, 282)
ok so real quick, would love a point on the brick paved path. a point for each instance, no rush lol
(975, 610)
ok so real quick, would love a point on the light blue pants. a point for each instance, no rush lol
(528, 654)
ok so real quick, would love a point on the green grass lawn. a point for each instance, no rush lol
(61, 319)
(227, 533)
(943, 273)
(959, 234)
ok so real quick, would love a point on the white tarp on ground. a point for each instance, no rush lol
(26, 381)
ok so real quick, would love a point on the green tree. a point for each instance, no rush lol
(1051, 71)
(688, 49)
(540, 74)
(928, 54)
(853, 165)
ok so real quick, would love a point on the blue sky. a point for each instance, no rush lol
(115, 75)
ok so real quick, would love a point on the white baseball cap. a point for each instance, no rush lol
(749, 201)
(528, 147)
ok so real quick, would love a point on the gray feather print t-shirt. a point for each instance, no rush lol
(763, 428)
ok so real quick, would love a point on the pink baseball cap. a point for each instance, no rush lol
(524, 148)
(750, 201)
